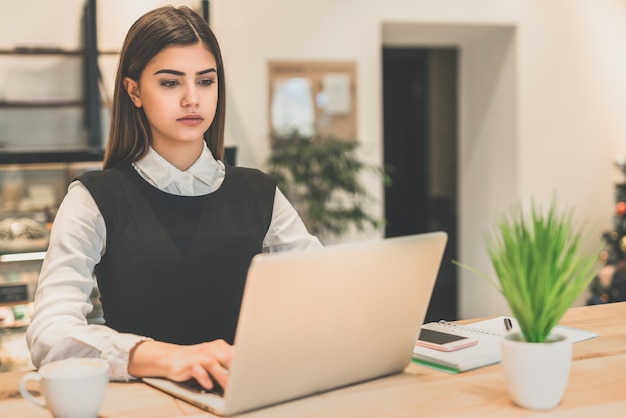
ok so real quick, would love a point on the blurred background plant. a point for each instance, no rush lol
(610, 284)
(320, 175)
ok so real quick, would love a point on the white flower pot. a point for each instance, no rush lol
(536, 374)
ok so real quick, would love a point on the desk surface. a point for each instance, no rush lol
(596, 387)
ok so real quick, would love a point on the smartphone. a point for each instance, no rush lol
(443, 341)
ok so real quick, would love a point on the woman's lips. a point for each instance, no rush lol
(191, 120)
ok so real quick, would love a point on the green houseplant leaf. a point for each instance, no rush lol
(542, 265)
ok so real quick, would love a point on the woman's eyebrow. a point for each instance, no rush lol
(180, 73)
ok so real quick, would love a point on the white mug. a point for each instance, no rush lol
(71, 388)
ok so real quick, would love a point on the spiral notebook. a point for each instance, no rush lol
(488, 333)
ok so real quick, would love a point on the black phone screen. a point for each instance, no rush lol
(438, 337)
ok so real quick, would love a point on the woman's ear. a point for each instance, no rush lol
(132, 88)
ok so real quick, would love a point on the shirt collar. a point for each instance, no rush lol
(162, 173)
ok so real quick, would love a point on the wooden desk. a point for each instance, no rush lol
(597, 387)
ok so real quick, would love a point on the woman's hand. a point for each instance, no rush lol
(182, 362)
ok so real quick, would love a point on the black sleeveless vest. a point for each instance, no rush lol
(175, 266)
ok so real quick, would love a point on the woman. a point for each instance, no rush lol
(166, 228)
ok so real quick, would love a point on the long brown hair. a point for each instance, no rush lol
(129, 134)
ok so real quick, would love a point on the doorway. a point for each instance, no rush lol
(420, 146)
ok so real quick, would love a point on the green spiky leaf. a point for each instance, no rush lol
(542, 266)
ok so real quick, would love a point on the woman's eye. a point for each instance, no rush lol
(206, 82)
(169, 83)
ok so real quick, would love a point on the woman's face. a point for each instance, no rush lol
(178, 92)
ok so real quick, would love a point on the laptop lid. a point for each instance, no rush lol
(319, 320)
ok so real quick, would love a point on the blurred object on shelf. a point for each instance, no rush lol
(7, 319)
(13, 293)
(16, 316)
(12, 190)
(22, 234)
(14, 354)
(42, 196)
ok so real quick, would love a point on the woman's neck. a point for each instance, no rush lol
(181, 155)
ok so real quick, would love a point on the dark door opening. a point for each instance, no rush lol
(420, 147)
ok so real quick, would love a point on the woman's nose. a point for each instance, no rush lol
(191, 97)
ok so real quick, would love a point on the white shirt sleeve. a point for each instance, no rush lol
(287, 232)
(59, 327)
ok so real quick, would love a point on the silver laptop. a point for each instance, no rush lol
(319, 320)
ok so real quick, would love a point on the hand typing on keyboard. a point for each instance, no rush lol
(207, 363)
(194, 386)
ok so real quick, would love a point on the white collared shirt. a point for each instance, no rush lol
(59, 328)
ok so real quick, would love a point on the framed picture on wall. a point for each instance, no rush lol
(313, 98)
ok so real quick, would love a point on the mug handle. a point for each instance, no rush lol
(26, 393)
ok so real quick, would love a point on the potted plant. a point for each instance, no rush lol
(542, 265)
(320, 176)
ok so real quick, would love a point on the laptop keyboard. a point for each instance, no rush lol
(194, 386)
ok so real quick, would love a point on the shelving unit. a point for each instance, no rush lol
(84, 126)
(40, 51)
(41, 103)
(37, 160)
